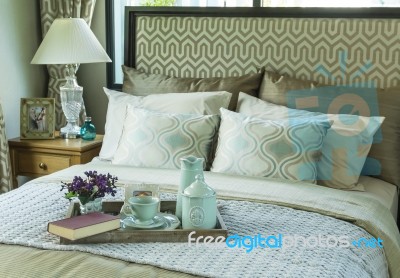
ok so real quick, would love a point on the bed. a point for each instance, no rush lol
(274, 80)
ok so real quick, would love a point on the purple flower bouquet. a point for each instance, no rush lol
(87, 189)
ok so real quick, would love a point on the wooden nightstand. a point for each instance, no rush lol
(35, 158)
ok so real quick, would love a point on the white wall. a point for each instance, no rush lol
(20, 38)
(92, 77)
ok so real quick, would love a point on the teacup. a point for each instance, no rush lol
(143, 208)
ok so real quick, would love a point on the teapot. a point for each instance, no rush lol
(199, 206)
(190, 167)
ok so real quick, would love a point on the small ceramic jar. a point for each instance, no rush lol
(199, 206)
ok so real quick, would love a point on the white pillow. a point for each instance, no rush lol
(287, 149)
(346, 144)
(204, 103)
(159, 140)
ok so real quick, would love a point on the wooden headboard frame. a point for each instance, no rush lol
(332, 46)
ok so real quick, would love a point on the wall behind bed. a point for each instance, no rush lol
(20, 38)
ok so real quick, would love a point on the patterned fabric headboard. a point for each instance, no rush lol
(329, 50)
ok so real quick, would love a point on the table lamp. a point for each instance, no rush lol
(70, 41)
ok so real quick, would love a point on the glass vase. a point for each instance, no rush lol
(90, 206)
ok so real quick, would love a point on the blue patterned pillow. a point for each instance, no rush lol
(159, 140)
(204, 103)
(345, 147)
(285, 149)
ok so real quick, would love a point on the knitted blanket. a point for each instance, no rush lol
(25, 212)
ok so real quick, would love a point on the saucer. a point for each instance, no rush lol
(162, 221)
(133, 222)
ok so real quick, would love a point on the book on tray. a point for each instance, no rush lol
(84, 225)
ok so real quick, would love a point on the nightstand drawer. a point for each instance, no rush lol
(35, 158)
(42, 164)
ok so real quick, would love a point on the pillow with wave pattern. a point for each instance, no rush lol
(158, 140)
(286, 149)
(205, 103)
(345, 147)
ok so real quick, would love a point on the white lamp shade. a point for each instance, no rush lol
(70, 41)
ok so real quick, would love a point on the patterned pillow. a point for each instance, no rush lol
(285, 149)
(206, 103)
(383, 159)
(345, 147)
(142, 83)
(159, 140)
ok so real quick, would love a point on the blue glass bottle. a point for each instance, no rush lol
(88, 130)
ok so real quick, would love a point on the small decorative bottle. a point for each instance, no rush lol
(88, 131)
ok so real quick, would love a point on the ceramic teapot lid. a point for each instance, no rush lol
(199, 188)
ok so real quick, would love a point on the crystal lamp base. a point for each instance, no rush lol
(71, 130)
(71, 103)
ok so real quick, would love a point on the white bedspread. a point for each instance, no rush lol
(24, 214)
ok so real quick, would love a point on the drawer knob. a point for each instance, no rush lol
(42, 166)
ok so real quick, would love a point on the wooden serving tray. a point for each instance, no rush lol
(132, 235)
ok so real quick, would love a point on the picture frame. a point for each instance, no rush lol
(37, 118)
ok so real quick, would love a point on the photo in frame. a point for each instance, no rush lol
(37, 118)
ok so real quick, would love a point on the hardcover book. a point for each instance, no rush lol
(84, 225)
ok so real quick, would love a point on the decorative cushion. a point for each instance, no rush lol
(274, 87)
(285, 149)
(159, 140)
(142, 84)
(384, 157)
(205, 103)
(345, 147)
